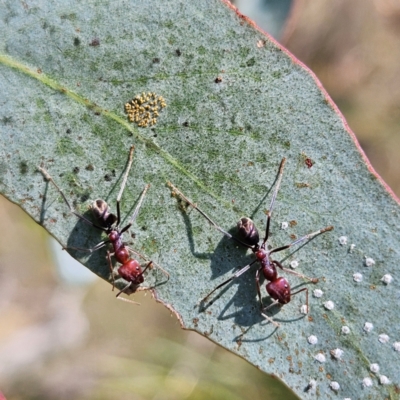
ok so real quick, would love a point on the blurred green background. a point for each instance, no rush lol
(63, 335)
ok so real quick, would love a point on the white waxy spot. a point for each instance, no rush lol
(357, 277)
(369, 262)
(343, 240)
(368, 326)
(347, 398)
(284, 225)
(320, 358)
(383, 338)
(329, 305)
(312, 339)
(304, 309)
(384, 380)
(337, 353)
(374, 368)
(352, 247)
(367, 382)
(345, 330)
(318, 293)
(334, 386)
(387, 278)
(396, 346)
(294, 264)
(312, 385)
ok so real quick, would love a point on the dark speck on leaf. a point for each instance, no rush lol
(77, 41)
(178, 52)
(23, 167)
(75, 170)
(108, 177)
(6, 120)
(95, 42)
(85, 197)
(309, 163)
(250, 62)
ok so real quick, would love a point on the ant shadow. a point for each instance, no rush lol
(82, 235)
(228, 258)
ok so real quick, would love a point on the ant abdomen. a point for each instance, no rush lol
(131, 271)
(279, 289)
(247, 231)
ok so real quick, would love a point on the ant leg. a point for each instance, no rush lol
(111, 270)
(123, 184)
(278, 264)
(302, 239)
(152, 262)
(176, 191)
(92, 249)
(271, 206)
(136, 212)
(49, 178)
(128, 300)
(270, 320)
(258, 287)
(123, 298)
(234, 276)
(275, 302)
(148, 265)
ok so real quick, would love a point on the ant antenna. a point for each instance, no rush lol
(271, 206)
(50, 179)
(125, 178)
(176, 191)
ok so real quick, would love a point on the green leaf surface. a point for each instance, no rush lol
(67, 69)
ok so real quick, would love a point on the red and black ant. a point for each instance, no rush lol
(130, 270)
(278, 287)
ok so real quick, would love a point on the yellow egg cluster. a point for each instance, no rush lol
(144, 109)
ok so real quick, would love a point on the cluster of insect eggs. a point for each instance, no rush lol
(144, 109)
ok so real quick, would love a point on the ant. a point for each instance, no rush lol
(130, 270)
(278, 287)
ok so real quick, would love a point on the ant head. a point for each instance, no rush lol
(248, 232)
(279, 289)
(101, 212)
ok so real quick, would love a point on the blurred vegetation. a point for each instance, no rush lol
(62, 341)
(353, 48)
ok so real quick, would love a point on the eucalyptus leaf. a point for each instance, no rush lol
(236, 104)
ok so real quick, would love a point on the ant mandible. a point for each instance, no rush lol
(278, 287)
(130, 270)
